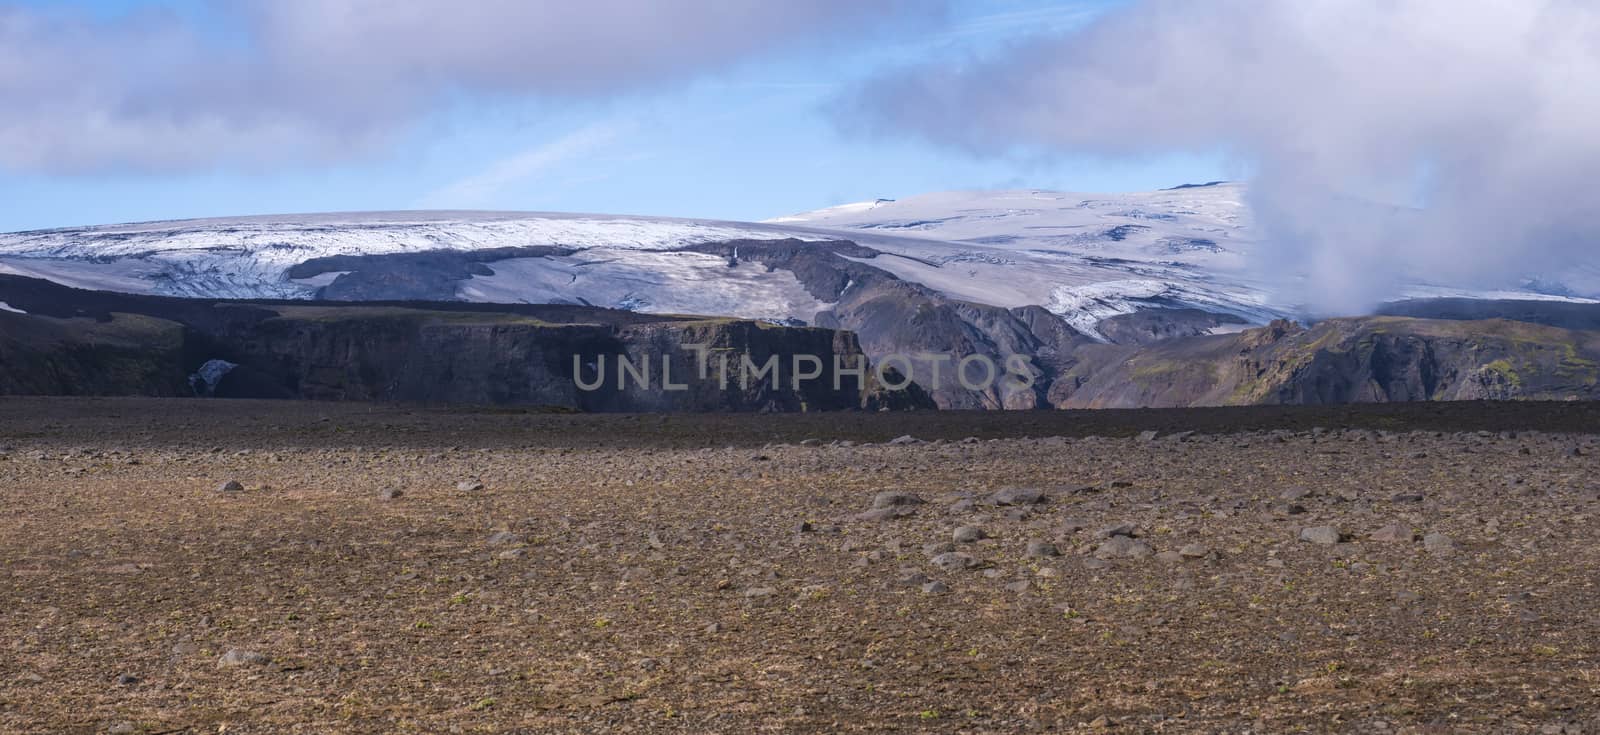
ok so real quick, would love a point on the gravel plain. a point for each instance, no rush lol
(414, 569)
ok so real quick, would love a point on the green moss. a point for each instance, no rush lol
(1505, 370)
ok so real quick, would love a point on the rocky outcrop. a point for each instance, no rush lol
(1364, 360)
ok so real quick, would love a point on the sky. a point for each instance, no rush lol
(134, 110)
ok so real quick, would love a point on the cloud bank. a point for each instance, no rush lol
(1473, 121)
(267, 82)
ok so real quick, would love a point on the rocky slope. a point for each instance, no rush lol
(1366, 360)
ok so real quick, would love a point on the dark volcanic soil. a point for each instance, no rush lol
(714, 574)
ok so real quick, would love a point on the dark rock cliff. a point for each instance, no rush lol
(87, 343)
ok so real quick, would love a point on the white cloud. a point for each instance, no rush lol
(273, 82)
(1481, 113)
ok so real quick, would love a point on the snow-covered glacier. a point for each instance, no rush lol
(1085, 257)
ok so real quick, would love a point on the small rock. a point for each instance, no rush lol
(501, 538)
(954, 561)
(804, 527)
(935, 588)
(1122, 529)
(912, 578)
(1017, 496)
(938, 548)
(884, 514)
(1072, 526)
(904, 440)
(1018, 587)
(390, 493)
(895, 499)
(1169, 557)
(1438, 543)
(1406, 498)
(231, 486)
(1148, 436)
(1041, 550)
(1122, 547)
(1321, 535)
(237, 657)
(127, 680)
(1294, 493)
(969, 534)
(1393, 533)
(756, 593)
(469, 486)
(509, 554)
(1195, 551)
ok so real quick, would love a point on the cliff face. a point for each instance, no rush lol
(419, 356)
(79, 343)
(131, 355)
(1366, 360)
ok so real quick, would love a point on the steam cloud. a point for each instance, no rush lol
(1450, 141)
(265, 82)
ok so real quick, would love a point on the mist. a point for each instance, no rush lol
(1386, 141)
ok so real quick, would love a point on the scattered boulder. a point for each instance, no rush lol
(884, 514)
(231, 486)
(912, 578)
(1042, 550)
(501, 538)
(1195, 551)
(1438, 543)
(935, 588)
(1018, 496)
(1295, 493)
(1121, 529)
(236, 657)
(904, 440)
(1393, 533)
(954, 561)
(969, 534)
(895, 499)
(1321, 535)
(1122, 547)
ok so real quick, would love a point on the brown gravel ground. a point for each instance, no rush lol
(642, 574)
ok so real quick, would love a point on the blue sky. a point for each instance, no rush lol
(754, 138)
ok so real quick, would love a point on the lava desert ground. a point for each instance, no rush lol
(1397, 568)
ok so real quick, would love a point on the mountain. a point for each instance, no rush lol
(932, 278)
